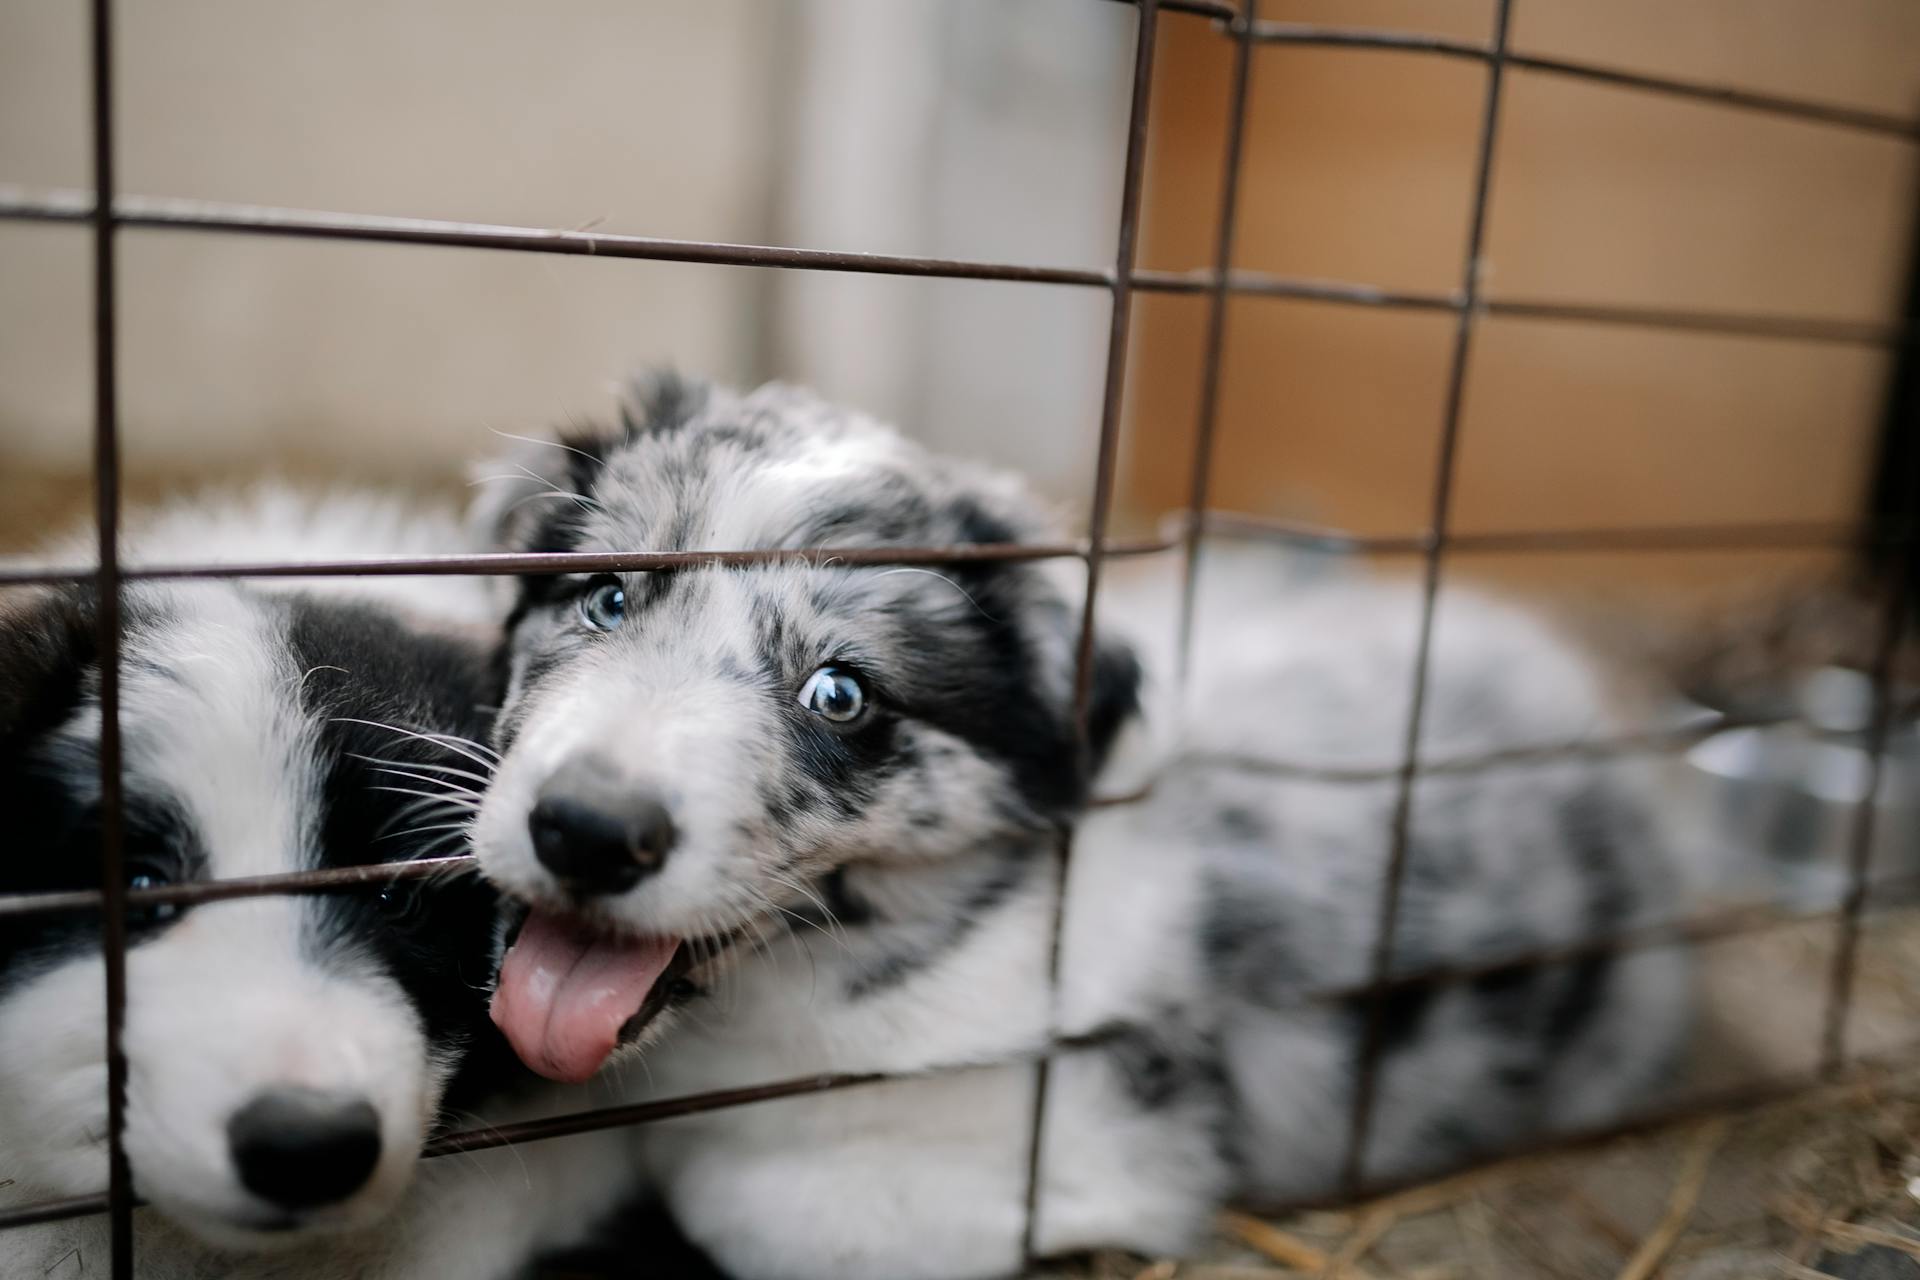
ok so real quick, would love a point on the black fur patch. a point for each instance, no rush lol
(48, 788)
(912, 946)
(1541, 1009)
(1164, 1069)
(1247, 948)
(976, 524)
(48, 646)
(1599, 832)
(1403, 1012)
(990, 694)
(1115, 697)
(434, 937)
(63, 832)
(664, 400)
(842, 906)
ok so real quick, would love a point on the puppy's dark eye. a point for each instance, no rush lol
(604, 607)
(400, 903)
(146, 877)
(834, 693)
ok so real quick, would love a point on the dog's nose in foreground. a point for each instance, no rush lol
(597, 834)
(302, 1148)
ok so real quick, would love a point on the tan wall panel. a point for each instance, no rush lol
(1358, 166)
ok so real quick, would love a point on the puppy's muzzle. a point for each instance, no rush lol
(598, 834)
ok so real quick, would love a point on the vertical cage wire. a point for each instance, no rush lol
(1366, 1082)
(1213, 355)
(1120, 326)
(1895, 565)
(106, 478)
(1890, 555)
(1840, 987)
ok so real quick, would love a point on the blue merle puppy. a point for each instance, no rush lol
(792, 818)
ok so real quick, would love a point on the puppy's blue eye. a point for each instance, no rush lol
(834, 693)
(604, 607)
(151, 913)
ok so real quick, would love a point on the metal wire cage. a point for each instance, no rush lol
(106, 211)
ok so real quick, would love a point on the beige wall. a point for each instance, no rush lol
(376, 360)
(987, 128)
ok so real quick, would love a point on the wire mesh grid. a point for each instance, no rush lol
(105, 212)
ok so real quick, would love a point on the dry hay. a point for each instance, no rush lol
(1821, 1185)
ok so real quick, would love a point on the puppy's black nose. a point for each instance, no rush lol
(596, 835)
(302, 1148)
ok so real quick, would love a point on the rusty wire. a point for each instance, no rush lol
(104, 211)
(352, 878)
(530, 563)
(106, 478)
(172, 214)
(1693, 931)
(1119, 330)
(1213, 358)
(1860, 882)
(1373, 1038)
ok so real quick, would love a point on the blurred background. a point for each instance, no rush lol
(993, 129)
(990, 129)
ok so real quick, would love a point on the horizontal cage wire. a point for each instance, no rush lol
(165, 214)
(104, 210)
(612, 562)
(1785, 535)
(1730, 1099)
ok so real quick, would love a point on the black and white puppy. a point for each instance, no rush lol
(287, 1056)
(797, 818)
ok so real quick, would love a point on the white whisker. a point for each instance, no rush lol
(454, 801)
(585, 503)
(450, 789)
(416, 831)
(551, 444)
(421, 808)
(482, 778)
(452, 742)
(944, 578)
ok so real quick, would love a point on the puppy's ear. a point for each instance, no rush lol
(520, 494)
(522, 500)
(993, 506)
(658, 400)
(1114, 698)
(47, 648)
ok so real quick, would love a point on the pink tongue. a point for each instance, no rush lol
(564, 994)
